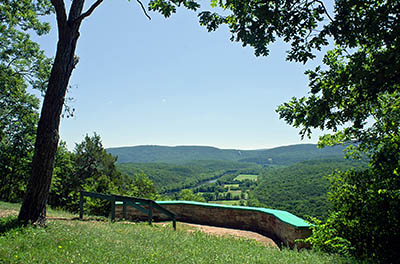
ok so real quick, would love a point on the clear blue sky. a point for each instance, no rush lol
(170, 82)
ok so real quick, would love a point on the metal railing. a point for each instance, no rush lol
(138, 203)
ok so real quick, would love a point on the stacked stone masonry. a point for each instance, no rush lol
(227, 216)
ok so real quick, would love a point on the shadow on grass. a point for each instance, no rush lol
(85, 219)
(10, 223)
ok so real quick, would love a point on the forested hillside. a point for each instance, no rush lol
(174, 177)
(300, 188)
(178, 154)
(182, 154)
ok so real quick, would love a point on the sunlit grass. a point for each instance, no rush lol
(9, 206)
(13, 209)
(74, 241)
(234, 185)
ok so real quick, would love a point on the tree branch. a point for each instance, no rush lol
(60, 13)
(89, 11)
(11, 62)
(326, 11)
(144, 10)
(75, 10)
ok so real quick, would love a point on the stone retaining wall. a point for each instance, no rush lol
(272, 223)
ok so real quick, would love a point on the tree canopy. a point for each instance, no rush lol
(19, 55)
(18, 120)
(22, 64)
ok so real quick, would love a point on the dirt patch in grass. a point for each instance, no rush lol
(7, 212)
(220, 231)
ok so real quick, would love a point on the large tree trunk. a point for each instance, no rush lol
(33, 208)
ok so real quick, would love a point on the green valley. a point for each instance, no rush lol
(175, 177)
(292, 178)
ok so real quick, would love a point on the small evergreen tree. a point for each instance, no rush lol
(90, 168)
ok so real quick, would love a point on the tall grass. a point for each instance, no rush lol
(74, 241)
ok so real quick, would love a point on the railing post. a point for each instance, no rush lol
(150, 212)
(124, 209)
(112, 209)
(137, 203)
(80, 205)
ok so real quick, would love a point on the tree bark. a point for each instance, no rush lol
(33, 208)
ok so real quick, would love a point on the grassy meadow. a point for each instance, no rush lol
(234, 185)
(242, 177)
(68, 240)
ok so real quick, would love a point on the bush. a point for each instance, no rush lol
(365, 221)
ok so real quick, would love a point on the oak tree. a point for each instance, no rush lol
(33, 206)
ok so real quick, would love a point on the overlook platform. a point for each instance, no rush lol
(281, 226)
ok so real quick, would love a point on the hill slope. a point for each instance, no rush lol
(301, 188)
(182, 154)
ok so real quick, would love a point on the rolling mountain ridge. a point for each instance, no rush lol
(182, 154)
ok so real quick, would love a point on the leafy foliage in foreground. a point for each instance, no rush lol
(102, 242)
(18, 117)
(356, 95)
(301, 188)
(22, 64)
(365, 217)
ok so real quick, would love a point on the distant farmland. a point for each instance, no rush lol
(242, 177)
